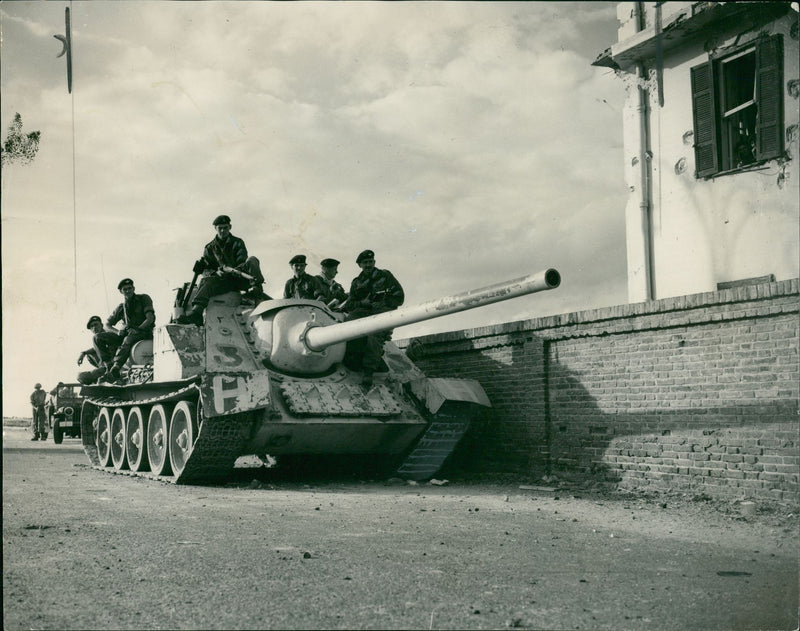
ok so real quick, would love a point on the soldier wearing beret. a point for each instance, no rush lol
(302, 285)
(223, 257)
(100, 356)
(372, 291)
(333, 293)
(138, 317)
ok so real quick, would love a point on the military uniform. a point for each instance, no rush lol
(304, 286)
(39, 420)
(375, 291)
(132, 313)
(228, 252)
(220, 252)
(101, 355)
(372, 291)
(331, 290)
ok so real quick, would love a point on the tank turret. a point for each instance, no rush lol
(274, 379)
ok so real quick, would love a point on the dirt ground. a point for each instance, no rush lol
(84, 549)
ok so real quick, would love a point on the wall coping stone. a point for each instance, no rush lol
(638, 311)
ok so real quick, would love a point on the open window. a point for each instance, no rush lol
(738, 108)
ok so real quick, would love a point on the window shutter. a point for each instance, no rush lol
(705, 132)
(769, 121)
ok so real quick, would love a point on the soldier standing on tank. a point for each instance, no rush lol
(101, 355)
(39, 421)
(372, 291)
(333, 293)
(137, 314)
(302, 285)
(223, 257)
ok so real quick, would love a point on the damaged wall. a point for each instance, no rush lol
(697, 232)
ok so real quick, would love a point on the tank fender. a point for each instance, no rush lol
(400, 366)
(233, 393)
(433, 392)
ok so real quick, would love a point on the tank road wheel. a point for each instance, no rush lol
(182, 434)
(157, 439)
(135, 437)
(103, 437)
(118, 455)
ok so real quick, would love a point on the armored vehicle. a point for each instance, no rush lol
(272, 379)
(63, 408)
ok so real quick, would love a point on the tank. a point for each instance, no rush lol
(274, 379)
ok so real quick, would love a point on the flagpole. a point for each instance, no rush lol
(68, 36)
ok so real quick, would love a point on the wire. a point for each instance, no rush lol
(74, 177)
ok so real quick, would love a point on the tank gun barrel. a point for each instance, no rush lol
(318, 338)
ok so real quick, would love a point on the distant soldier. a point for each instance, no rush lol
(100, 356)
(333, 293)
(39, 421)
(138, 316)
(372, 291)
(223, 262)
(302, 285)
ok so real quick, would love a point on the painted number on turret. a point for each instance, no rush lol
(229, 356)
(230, 394)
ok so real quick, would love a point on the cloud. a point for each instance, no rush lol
(466, 143)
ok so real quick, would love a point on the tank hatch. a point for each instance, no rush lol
(339, 399)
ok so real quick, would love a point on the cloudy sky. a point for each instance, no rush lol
(466, 143)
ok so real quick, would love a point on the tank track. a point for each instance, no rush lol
(439, 441)
(219, 442)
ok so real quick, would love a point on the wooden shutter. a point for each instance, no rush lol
(769, 75)
(705, 129)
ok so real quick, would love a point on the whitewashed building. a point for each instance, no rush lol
(710, 143)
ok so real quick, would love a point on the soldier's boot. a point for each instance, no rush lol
(195, 316)
(367, 380)
(255, 293)
(112, 374)
(35, 437)
(44, 436)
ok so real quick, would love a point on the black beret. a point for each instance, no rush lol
(329, 262)
(92, 320)
(124, 281)
(298, 259)
(366, 254)
(222, 219)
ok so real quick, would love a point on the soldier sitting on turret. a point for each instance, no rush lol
(225, 267)
(100, 356)
(334, 293)
(302, 285)
(372, 291)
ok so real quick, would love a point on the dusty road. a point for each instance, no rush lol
(84, 549)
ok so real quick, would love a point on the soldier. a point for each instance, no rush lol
(225, 267)
(372, 291)
(302, 285)
(39, 421)
(100, 356)
(137, 313)
(333, 293)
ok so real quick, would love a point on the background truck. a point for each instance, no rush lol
(64, 411)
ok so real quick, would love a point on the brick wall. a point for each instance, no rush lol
(697, 392)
